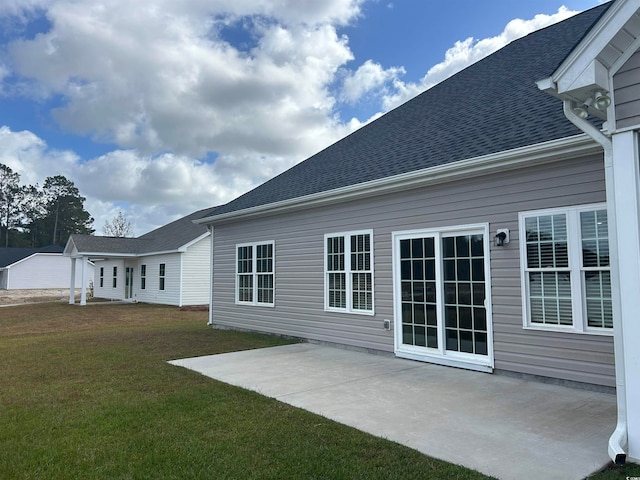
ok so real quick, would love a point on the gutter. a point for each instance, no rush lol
(618, 439)
(537, 154)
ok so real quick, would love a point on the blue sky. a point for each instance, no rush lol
(159, 108)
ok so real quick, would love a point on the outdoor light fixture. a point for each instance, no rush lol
(502, 237)
(601, 100)
(583, 110)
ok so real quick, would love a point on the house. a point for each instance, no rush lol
(169, 265)
(491, 223)
(35, 268)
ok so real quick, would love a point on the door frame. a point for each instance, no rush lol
(128, 282)
(441, 356)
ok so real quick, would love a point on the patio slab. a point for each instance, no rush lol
(501, 426)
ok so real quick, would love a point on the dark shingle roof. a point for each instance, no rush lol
(9, 256)
(493, 105)
(167, 238)
(175, 234)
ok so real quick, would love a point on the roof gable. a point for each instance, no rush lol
(168, 238)
(9, 256)
(492, 106)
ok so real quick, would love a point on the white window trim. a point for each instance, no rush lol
(349, 280)
(254, 273)
(143, 276)
(574, 248)
(162, 277)
(441, 355)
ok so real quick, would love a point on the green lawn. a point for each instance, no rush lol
(86, 393)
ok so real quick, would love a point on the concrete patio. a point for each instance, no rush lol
(501, 426)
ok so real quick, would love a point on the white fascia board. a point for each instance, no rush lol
(163, 252)
(578, 65)
(77, 254)
(70, 248)
(23, 259)
(552, 151)
(547, 85)
(184, 247)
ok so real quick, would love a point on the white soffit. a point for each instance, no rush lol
(604, 49)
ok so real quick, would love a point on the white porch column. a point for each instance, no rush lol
(72, 286)
(83, 294)
(626, 177)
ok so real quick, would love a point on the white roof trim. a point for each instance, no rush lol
(580, 66)
(194, 241)
(77, 254)
(547, 152)
(35, 254)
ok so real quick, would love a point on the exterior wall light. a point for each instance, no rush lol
(601, 100)
(502, 237)
(582, 111)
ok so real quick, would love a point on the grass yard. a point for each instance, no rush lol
(86, 393)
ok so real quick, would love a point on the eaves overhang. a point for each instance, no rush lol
(547, 152)
(79, 254)
(590, 67)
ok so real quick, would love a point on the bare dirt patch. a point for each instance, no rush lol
(17, 297)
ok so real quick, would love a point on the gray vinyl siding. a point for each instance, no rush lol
(196, 279)
(496, 199)
(626, 84)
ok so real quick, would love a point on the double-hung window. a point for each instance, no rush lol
(101, 277)
(565, 268)
(143, 277)
(115, 277)
(349, 272)
(161, 276)
(255, 273)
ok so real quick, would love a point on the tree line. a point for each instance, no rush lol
(34, 216)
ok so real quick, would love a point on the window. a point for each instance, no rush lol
(566, 273)
(143, 277)
(255, 273)
(161, 276)
(115, 277)
(349, 272)
(101, 277)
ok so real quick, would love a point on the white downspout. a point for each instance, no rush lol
(210, 322)
(618, 439)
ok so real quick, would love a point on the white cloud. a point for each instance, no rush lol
(150, 190)
(159, 76)
(369, 77)
(163, 82)
(468, 51)
(27, 154)
(177, 85)
(21, 8)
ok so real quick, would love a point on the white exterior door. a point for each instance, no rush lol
(128, 288)
(442, 296)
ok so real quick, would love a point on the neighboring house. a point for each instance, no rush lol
(35, 268)
(469, 227)
(169, 265)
